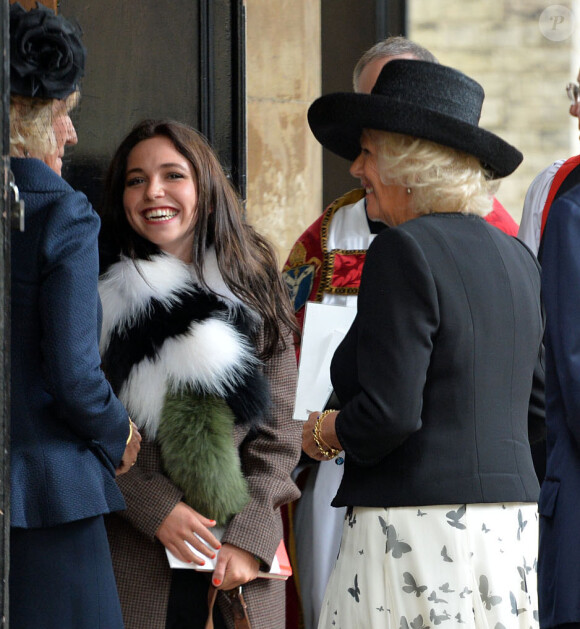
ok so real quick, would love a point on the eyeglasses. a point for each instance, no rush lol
(573, 91)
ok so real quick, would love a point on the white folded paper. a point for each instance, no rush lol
(209, 564)
(280, 568)
(324, 328)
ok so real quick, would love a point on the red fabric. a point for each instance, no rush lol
(308, 252)
(565, 169)
(499, 217)
(347, 270)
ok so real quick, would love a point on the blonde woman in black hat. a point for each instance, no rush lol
(70, 436)
(440, 378)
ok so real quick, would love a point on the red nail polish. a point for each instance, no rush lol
(202, 563)
(216, 582)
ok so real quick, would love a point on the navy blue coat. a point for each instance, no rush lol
(68, 430)
(559, 558)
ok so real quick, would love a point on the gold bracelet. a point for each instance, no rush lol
(130, 432)
(327, 451)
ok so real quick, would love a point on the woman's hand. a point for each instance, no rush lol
(131, 451)
(234, 567)
(181, 526)
(327, 434)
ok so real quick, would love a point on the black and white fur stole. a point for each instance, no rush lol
(163, 333)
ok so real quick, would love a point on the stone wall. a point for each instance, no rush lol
(283, 78)
(511, 47)
(501, 43)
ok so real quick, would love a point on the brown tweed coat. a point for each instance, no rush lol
(141, 568)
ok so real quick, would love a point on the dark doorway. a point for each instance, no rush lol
(4, 319)
(349, 27)
(182, 59)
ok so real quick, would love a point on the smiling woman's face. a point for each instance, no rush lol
(388, 203)
(160, 197)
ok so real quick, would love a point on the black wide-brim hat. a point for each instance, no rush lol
(417, 98)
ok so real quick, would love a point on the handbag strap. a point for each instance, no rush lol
(239, 608)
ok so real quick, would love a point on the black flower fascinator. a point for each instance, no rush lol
(47, 56)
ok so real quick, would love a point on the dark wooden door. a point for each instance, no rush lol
(4, 319)
(181, 59)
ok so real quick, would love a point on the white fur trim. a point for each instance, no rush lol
(127, 288)
(143, 395)
(211, 357)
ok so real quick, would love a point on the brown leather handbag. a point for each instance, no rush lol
(239, 608)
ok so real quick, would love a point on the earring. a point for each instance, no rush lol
(409, 191)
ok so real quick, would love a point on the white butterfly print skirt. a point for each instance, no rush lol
(468, 566)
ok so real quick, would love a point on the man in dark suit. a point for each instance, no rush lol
(549, 184)
(559, 506)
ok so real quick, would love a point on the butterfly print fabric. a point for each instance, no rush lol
(436, 566)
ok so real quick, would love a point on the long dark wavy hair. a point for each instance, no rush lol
(245, 258)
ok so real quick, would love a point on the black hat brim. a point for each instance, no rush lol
(337, 121)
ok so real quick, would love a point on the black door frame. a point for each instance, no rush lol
(4, 318)
(391, 18)
(223, 86)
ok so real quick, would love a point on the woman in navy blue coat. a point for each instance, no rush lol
(70, 436)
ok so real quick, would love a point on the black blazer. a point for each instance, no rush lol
(435, 375)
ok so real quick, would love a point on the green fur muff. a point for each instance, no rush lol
(198, 453)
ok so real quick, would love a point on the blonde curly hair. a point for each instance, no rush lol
(31, 130)
(441, 179)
